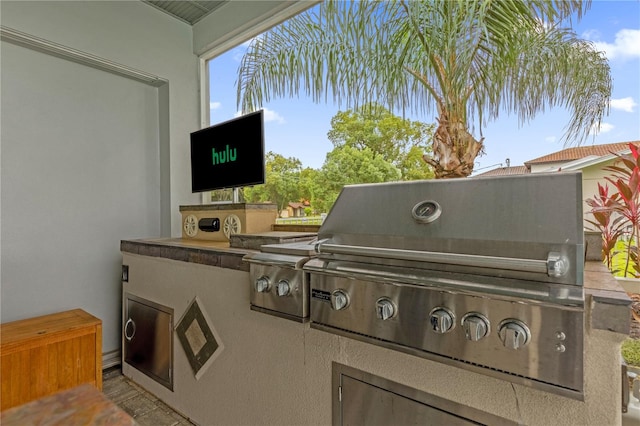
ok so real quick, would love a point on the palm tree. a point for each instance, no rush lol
(466, 60)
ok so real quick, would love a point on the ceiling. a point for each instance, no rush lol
(189, 11)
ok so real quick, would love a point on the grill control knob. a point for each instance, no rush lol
(514, 333)
(263, 285)
(475, 325)
(339, 300)
(441, 320)
(283, 288)
(385, 309)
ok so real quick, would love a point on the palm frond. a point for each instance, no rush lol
(474, 59)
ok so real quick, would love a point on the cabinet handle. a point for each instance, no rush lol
(126, 335)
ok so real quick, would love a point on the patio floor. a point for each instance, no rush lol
(146, 409)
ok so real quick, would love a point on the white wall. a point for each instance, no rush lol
(82, 151)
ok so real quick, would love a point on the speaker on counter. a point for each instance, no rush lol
(209, 224)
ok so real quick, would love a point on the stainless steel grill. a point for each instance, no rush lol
(485, 274)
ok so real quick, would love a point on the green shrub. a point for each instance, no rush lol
(631, 351)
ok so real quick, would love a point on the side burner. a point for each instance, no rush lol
(279, 286)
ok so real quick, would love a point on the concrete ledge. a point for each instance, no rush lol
(610, 304)
(202, 252)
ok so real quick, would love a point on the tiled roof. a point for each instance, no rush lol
(578, 152)
(505, 171)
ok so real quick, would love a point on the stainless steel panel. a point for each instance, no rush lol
(295, 304)
(360, 398)
(272, 259)
(148, 338)
(300, 248)
(522, 217)
(364, 404)
(554, 354)
(501, 285)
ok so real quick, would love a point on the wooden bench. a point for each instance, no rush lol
(43, 355)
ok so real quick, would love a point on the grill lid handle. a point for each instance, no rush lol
(556, 265)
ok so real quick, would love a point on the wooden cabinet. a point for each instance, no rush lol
(43, 355)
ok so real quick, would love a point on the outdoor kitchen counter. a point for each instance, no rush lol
(211, 253)
(175, 272)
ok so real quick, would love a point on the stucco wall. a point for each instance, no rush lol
(591, 176)
(90, 157)
(274, 371)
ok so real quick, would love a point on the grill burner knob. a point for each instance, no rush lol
(283, 288)
(263, 285)
(385, 309)
(514, 334)
(441, 320)
(475, 325)
(339, 300)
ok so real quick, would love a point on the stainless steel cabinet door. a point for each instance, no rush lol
(360, 398)
(365, 404)
(148, 338)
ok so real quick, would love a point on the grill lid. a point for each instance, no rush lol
(525, 227)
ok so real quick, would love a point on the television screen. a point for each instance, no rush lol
(229, 154)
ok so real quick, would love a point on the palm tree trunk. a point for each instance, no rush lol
(454, 150)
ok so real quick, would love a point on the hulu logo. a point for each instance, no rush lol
(224, 156)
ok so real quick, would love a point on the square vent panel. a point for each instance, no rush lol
(198, 338)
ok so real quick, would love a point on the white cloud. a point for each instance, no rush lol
(625, 46)
(550, 139)
(624, 104)
(592, 34)
(269, 116)
(214, 105)
(604, 128)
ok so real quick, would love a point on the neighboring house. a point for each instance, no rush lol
(506, 171)
(295, 210)
(590, 160)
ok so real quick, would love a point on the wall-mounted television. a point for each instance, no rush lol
(228, 154)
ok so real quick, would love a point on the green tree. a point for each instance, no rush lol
(281, 181)
(464, 60)
(394, 138)
(347, 165)
(312, 188)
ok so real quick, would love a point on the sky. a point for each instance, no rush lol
(297, 127)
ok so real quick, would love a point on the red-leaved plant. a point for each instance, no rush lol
(610, 226)
(613, 213)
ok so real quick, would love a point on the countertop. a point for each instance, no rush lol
(212, 253)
